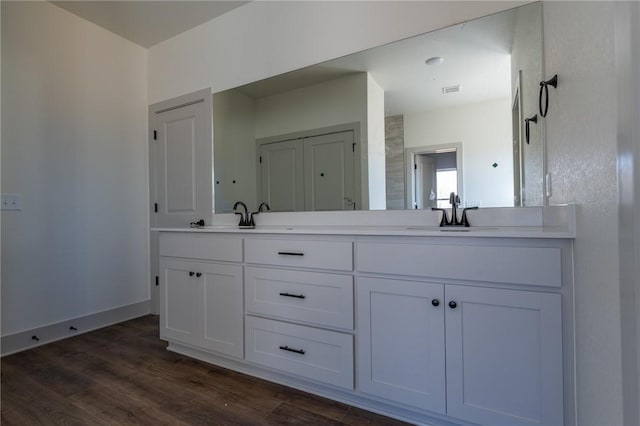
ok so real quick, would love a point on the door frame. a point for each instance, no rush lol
(517, 118)
(409, 177)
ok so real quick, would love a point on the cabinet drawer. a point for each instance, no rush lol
(516, 265)
(321, 355)
(310, 297)
(336, 255)
(201, 246)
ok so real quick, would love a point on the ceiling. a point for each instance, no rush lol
(148, 22)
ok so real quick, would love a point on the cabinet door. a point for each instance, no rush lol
(504, 356)
(221, 302)
(401, 352)
(282, 175)
(179, 288)
(328, 172)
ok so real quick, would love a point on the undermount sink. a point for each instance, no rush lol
(452, 229)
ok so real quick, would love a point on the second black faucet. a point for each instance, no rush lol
(454, 200)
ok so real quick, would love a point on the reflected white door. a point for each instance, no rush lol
(426, 181)
(282, 175)
(328, 172)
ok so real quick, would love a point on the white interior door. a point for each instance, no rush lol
(328, 172)
(182, 159)
(282, 175)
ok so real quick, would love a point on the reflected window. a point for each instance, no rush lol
(447, 183)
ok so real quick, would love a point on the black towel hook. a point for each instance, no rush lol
(544, 87)
(526, 126)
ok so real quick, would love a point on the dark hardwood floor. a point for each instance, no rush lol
(124, 375)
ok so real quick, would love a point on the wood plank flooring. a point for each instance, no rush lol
(124, 375)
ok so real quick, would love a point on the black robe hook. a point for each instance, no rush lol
(526, 126)
(544, 87)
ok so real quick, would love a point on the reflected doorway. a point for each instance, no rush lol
(433, 173)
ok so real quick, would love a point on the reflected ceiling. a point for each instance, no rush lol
(482, 45)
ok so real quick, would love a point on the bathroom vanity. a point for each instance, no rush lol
(425, 324)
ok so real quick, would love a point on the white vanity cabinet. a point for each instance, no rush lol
(201, 302)
(473, 352)
(429, 329)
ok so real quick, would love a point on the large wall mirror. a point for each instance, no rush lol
(399, 126)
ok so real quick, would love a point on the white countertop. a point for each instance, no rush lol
(405, 231)
(522, 222)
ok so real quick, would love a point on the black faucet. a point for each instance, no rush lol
(263, 204)
(454, 200)
(244, 216)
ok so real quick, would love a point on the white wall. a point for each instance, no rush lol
(375, 146)
(263, 39)
(581, 144)
(484, 129)
(234, 151)
(627, 38)
(330, 103)
(74, 126)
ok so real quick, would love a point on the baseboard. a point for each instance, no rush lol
(38, 336)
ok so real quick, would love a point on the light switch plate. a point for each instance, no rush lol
(11, 202)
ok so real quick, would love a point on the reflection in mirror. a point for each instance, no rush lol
(395, 127)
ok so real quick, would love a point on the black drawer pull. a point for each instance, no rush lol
(298, 296)
(298, 351)
(290, 253)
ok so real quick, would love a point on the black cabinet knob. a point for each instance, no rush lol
(453, 304)
(191, 274)
(198, 274)
(435, 302)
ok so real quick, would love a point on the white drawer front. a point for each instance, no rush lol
(321, 355)
(310, 297)
(336, 255)
(516, 265)
(201, 246)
